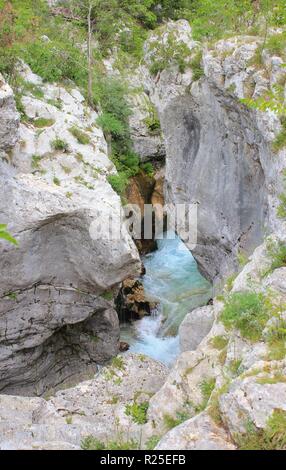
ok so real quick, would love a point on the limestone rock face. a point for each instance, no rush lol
(195, 326)
(96, 407)
(9, 118)
(253, 399)
(198, 433)
(55, 326)
(218, 151)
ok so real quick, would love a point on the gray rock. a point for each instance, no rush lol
(9, 117)
(54, 325)
(212, 138)
(252, 399)
(96, 407)
(198, 433)
(195, 327)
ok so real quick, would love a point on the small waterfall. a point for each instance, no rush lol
(172, 279)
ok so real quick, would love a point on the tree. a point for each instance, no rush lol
(5, 235)
(86, 9)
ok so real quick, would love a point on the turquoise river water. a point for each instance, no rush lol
(172, 279)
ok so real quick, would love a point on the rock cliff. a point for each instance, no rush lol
(218, 150)
(56, 324)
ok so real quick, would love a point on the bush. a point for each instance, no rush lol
(153, 124)
(55, 61)
(111, 125)
(92, 443)
(207, 386)
(276, 44)
(60, 145)
(276, 251)
(248, 312)
(5, 235)
(196, 66)
(80, 136)
(148, 169)
(138, 412)
(280, 140)
(273, 437)
(118, 182)
(42, 122)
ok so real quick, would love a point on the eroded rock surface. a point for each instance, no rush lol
(55, 326)
(94, 408)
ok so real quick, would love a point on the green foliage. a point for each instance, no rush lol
(272, 100)
(92, 443)
(60, 145)
(280, 140)
(36, 159)
(242, 259)
(207, 386)
(234, 366)
(276, 333)
(276, 44)
(111, 125)
(167, 53)
(196, 66)
(80, 136)
(281, 211)
(138, 412)
(118, 363)
(276, 251)
(118, 183)
(248, 312)
(153, 122)
(152, 442)
(42, 122)
(170, 422)
(147, 168)
(56, 181)
(108, 295)
(273, 437)
(5, 235)
(219, 342)
(55, 61)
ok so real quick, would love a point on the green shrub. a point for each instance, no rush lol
(152, 442)
(118, 182)
(196, 66)
(167, 53)
(246, 311)
(60, 145)
(170, 422)
(153, 124)
(148, 169)
(207, 386)
(138, 412)
(36, 159)
(219, 342)
(56, 61)
(276, 44)
(92, 443)
(118, 363)
(273, 437)
(56, 181)
(280, 140)
(5, 235)
(111, 125)
(80, 136)
(276, 251)
(42, 122)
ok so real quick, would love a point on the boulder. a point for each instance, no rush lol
(96, 407)
(195, 326)
(9, 117)
(198, 433)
